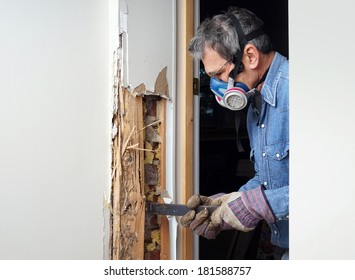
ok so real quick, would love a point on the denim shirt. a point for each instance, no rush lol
(269, 143)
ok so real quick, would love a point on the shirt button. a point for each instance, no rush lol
(277, 155)
(275, 231)
(287, 217)
(262, 125)
(264, 154)
(265, 183)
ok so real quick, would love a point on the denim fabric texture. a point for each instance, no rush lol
(269, 143)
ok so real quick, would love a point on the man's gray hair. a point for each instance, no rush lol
(219, 33)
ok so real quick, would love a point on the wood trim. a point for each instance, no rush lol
(164, 223)
(140, 174)
(187, 116)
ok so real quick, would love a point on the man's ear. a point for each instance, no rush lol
(252, 56)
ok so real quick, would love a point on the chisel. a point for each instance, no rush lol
(174, 209)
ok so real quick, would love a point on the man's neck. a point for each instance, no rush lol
(266, 60)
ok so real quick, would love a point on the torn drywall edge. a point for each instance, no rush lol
(123, 39)
(114, 65)
(116, 57)
(161, 87)
(142, 91)
(107, 212)
(123, 20)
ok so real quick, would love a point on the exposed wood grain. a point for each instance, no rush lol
(128, 197)
(164, 223)
(187, 115)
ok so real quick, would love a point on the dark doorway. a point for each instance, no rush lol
(222, 167)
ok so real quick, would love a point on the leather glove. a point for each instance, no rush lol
(242, 210)
(238, 210)
(200, 223)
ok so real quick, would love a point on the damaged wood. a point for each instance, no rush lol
(156, 227)
(138, 172)
(127, 189)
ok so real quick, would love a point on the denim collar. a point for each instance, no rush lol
(269, 88)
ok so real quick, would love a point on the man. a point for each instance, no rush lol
(247, 73)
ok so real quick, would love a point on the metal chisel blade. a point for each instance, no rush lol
(173, 209)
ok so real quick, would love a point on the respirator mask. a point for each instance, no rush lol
(235, 96)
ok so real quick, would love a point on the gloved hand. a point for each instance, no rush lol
(242, 210)
(200, 223)
(238, 210)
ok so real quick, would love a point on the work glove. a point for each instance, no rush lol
(200, 223)
(238, 210)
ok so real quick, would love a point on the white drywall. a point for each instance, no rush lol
(322, 199)
(151, 41)
(55, 128)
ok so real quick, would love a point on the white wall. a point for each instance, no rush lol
(322, 136)
(55, 127)
(151, 41)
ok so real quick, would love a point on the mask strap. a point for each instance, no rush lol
(230, 83)
(237, 59)
(238, 66)
(243, 40)
(256, 98)
(238, 116)
(262, 78)
(256, 103)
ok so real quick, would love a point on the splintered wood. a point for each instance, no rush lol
(156, 227)
(127, 173)
(138, 174)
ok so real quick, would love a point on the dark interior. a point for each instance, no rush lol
(222, 167)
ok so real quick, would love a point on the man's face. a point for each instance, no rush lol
(218, 67)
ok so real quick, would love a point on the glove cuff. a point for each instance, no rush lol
(256, 203)
(234, 214)
(243, 215)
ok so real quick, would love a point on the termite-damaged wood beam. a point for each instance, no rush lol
(128, 197)
(138, 172)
